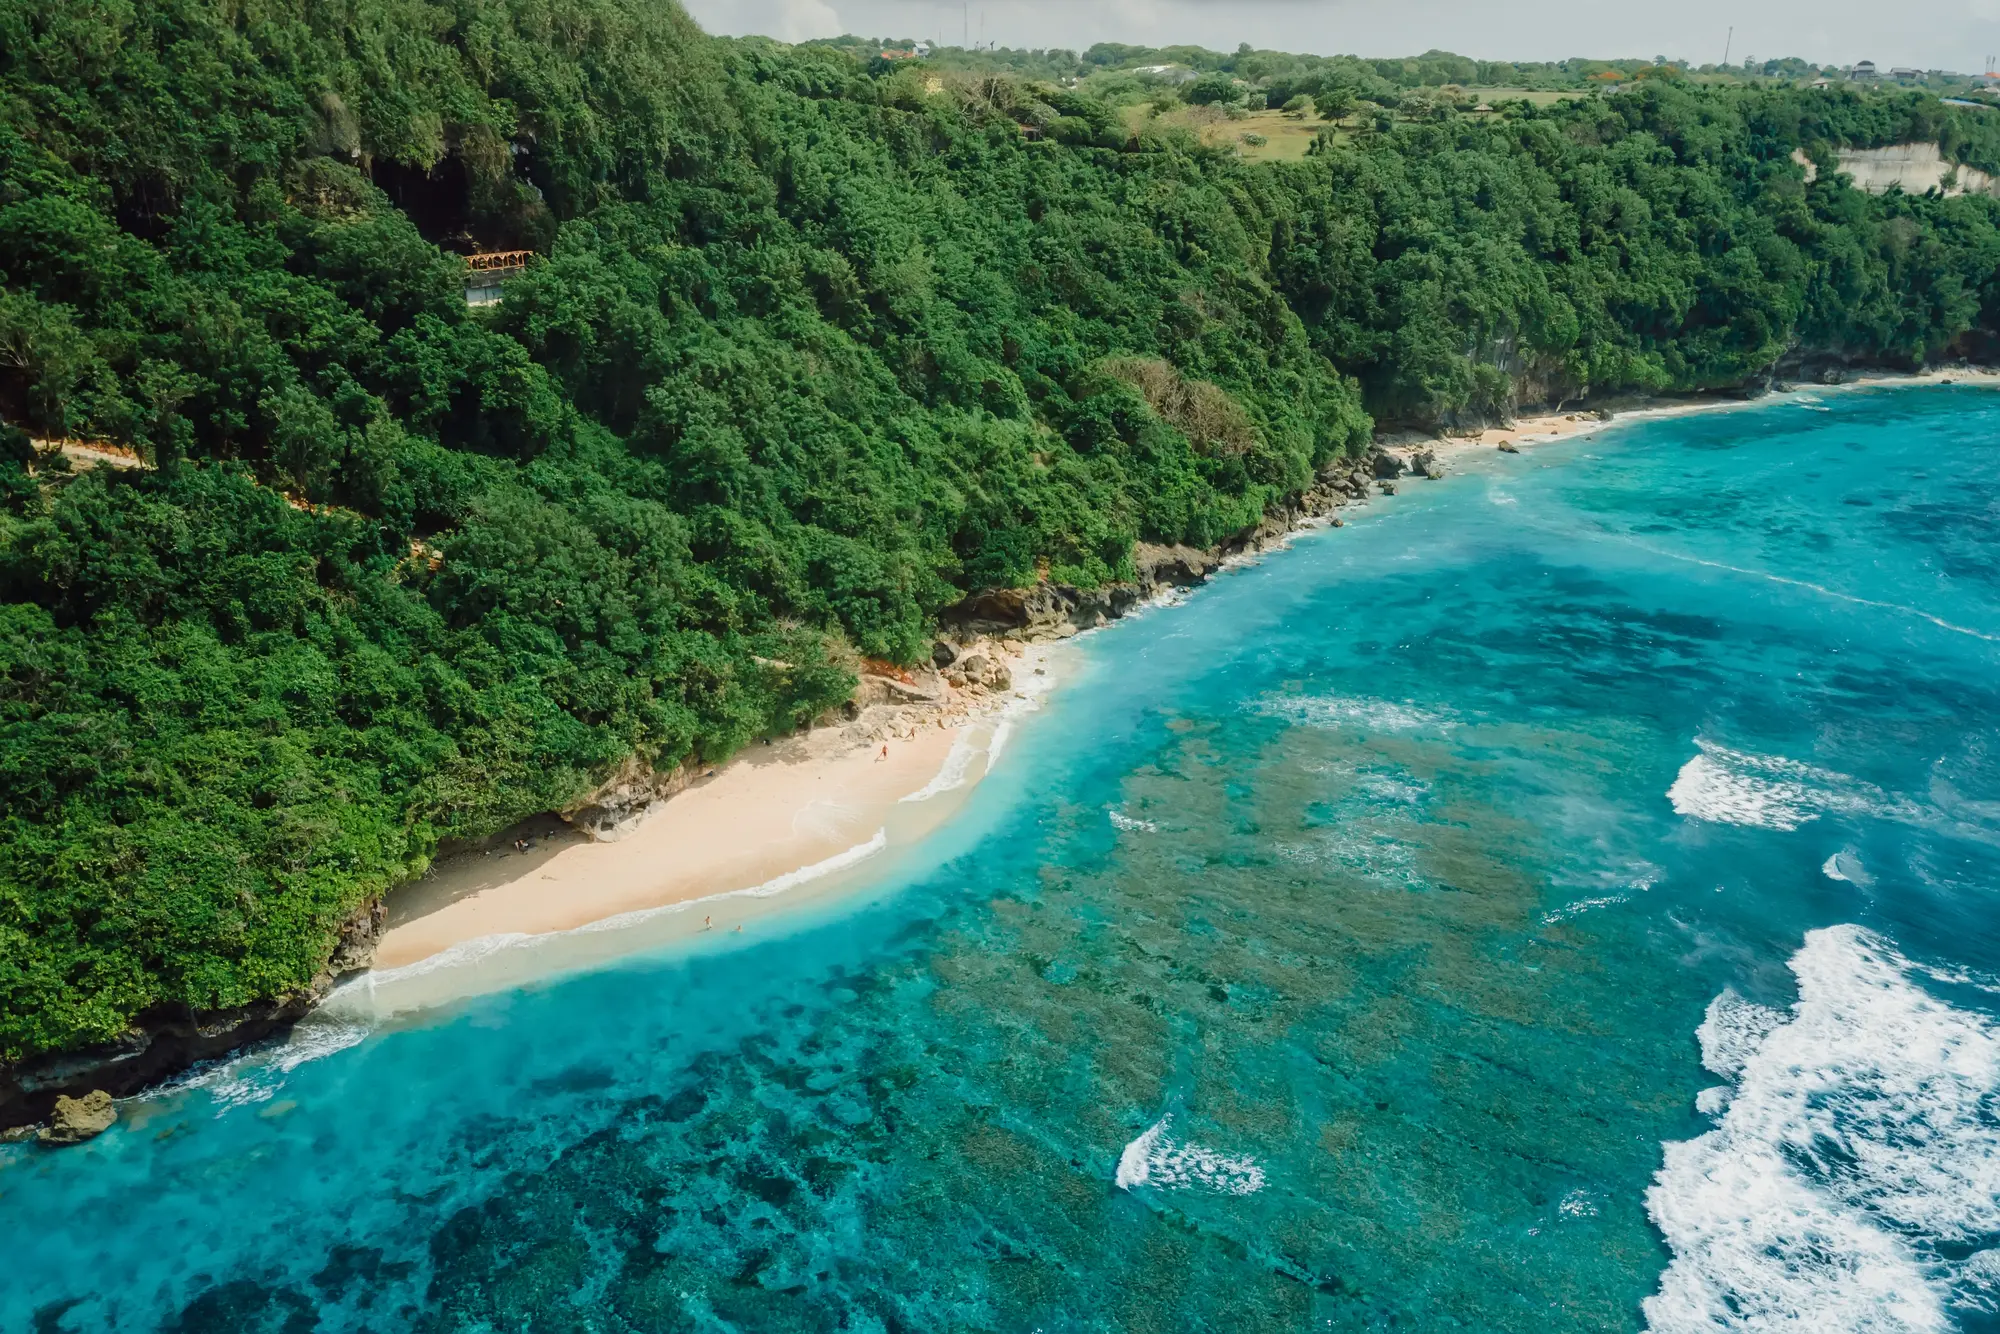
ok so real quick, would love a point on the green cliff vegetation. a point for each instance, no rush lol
(815, 345)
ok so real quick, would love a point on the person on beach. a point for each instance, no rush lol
(885, 753)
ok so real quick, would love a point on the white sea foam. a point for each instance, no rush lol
(1617, 885)
(951, 774)
(1353, 713)
(1820, 589)
(464, 952)
(964, 749)
(469, 952)
(1159, 1160)
(1582, 906)
(1003, 731)
(1576, 1204)
(1382, 786)
(1731, 1032)
(1724, 786)
(1857, 1154)
(1712, 1101)
(790, 880)
(1131, 824)
(1030, 701)
(1845, 865)
(258, 1074)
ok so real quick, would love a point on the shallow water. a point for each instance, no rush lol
(1561, 899)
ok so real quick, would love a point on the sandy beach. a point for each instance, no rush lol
(756, 820)
(775, 818)
(1546, 428)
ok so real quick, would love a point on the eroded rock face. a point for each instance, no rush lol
(168, 1039)
(610, 812)
(75, 1120)
(1175, 566)
(356, 948)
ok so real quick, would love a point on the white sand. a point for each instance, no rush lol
(757, 819)
(1549, 427)
(808, 809)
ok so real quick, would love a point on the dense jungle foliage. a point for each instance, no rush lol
(815, 345)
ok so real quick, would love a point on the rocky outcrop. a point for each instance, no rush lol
(75, 1120)
(1056, 611)
(977, 669)
(615, 806)
(1042, 612)
(168, 1039)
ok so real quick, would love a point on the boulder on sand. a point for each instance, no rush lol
(1385, 465)
(78, 1119)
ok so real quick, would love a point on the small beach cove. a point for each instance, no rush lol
(789, 824)
(795, 824)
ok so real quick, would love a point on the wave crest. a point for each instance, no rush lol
(1856, 1157)
(1724, 786)
(1159, 1160)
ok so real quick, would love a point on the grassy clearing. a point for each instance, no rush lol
(1540, 97)
(1286, 138)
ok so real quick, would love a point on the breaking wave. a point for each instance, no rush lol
(1159, 1160)
(1132, 824)
(1852, 1181)
(951, 774)
(1353, 712)
(1724, 786)
(257, 1074)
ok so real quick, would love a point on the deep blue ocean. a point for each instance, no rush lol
(1565, 898)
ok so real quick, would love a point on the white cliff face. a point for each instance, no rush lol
(1917, 168)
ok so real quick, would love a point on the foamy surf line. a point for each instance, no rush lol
(1821, 589)
(956, 770)
(1852, 1180)
(482, 947)
(1724, 786)
(256, 1075)
(952, 773)
(1158, 1160)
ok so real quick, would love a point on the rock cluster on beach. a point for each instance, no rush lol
(968, 675)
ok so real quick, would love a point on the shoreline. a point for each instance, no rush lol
(783, 824)
(1553, 427)
(818, 806)
(608, 879)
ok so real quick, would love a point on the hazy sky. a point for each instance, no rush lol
(1930, 34)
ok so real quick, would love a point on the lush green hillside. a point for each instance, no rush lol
(816, 346)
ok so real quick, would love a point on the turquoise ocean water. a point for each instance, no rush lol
(1562, 899)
